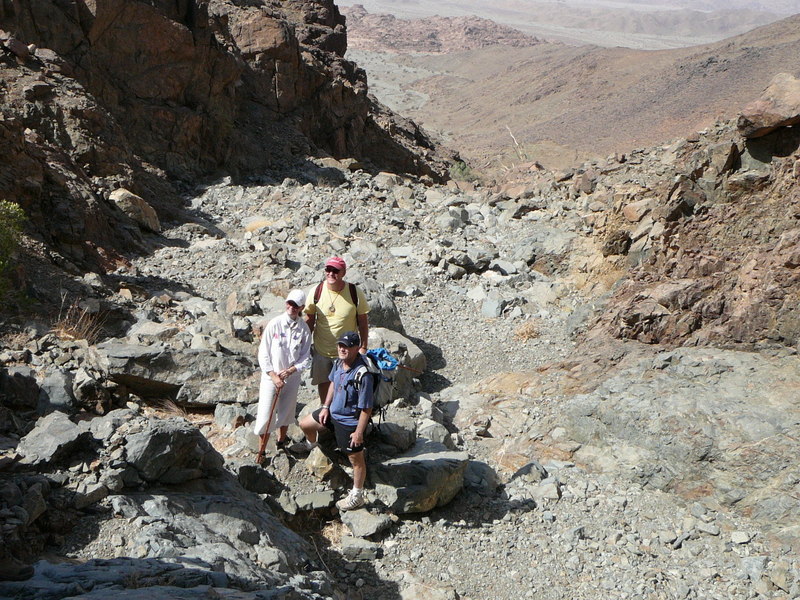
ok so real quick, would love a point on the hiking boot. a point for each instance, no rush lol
(281, 444)
(353, 500)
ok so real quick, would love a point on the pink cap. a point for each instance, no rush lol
(336, 262)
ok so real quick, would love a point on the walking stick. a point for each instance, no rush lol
(265, 436)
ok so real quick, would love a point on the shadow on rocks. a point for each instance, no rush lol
(432, 381)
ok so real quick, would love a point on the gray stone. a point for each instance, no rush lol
(740, 537)
(34, 503)
(481, 478)
(151, 331)
(56, 393)
(52, 440)
(257, 479)
(398, 429)
(549, 489)
(363, 523)
(383, 312)
(89, 494)
(102, 428)
(493, 307)
(427, 476)
(753, 566)
(429, 410)
(18, 388)
(315, 500)
(354, 548)
(436, 432)
(229, 416)
(194, 377)
(171, 451)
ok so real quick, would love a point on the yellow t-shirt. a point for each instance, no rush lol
(335, 314)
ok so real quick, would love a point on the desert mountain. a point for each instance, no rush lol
(382, 33)
(563, 102)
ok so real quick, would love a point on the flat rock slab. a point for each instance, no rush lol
(427, 476)
(363, 523)
(354, 548)
(195, 377)
(315, 501)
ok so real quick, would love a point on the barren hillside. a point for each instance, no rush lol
(565, 103)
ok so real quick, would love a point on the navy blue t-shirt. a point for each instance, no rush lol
(348, 402)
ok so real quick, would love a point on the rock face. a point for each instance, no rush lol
(211, 85)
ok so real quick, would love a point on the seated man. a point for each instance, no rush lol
(346, 411)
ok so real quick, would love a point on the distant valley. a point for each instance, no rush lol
(560, 104)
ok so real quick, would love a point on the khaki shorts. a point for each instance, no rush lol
(320, 368)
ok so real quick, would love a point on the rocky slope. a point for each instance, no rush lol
(150, 96)
(577, 418)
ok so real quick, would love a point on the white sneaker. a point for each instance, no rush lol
(353, 500)
(303, 447)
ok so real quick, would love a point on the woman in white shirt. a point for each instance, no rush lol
(284, 351)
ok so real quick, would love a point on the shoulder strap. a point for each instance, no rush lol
(353, 293)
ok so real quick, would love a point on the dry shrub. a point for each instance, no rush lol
(78, 324)
(333, 533)
(166, 407)
(529, 330)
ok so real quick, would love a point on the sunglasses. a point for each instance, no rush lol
(292, 304)
(333, 270)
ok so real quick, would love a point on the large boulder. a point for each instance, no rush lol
(779, 106)
(699, 422)
(52, 440)
(427, 476)
(383, 312)
(193, 377)
(171, 451)
(135, 207)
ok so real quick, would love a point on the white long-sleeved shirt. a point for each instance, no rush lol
(285, 343)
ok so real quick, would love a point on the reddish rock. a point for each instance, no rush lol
(778, 106)
(634, 211)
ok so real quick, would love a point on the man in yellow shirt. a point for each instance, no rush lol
(332, 308)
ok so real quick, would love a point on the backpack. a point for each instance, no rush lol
(381, 367)
(353, 293)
